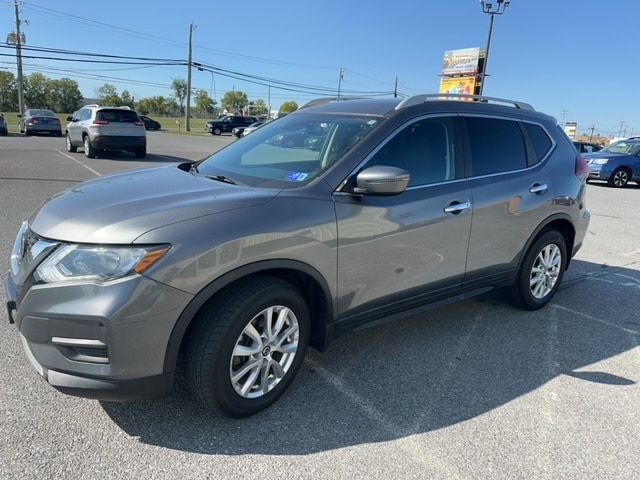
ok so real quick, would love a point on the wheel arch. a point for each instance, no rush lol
(307, 279)
(560, 222)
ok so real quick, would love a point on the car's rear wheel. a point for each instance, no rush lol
(89, 151)
(140, 152)
(70, 146)
(540, 273)
(247, 346)
(619, 178)
(216, 131)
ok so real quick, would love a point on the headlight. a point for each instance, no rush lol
(84, 262)
(601, 161)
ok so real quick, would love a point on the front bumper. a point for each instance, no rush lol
(104, 341)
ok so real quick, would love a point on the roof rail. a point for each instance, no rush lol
(417, 99)
(91, 105)
(321, 100)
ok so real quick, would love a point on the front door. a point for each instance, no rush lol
(407, 248)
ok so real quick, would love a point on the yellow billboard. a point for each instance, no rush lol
(458, 85)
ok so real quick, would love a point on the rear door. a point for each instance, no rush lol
(406, 248)
(512, 193)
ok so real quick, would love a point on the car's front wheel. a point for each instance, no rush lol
(140, 152)
(619, 178)
(540, 273)
(216, 131)
(247, 346)
(70, 146)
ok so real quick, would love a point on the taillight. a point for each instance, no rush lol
(138, 123)
(100, 122)
(32, 120)
(56, 120)
(582, 169)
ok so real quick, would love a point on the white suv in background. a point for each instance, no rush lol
(97, 128)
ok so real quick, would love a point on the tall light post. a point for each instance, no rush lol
(492, 10)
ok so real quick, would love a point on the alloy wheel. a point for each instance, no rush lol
(545, 271)
(264, 352)
(620, 178)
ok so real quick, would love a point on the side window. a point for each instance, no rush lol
(85, 114)
(496, 145)
(588, 148)
(541, 142)
(425, 149)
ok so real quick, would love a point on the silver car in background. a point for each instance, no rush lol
(37, 120)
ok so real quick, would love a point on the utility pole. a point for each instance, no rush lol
(564, 115)
(19, 58)
(395, 89)
(622, 125)
(187, 113)
(340, 81)
(593, 127)
(492, 10)
(269, 102)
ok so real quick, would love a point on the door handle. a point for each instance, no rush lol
(538, 188)
(455, 208)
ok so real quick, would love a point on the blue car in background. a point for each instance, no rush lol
(618, 164)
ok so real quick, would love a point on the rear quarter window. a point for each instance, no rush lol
(539, 140)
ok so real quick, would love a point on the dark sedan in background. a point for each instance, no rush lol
(37, 120)
(618, 164)
(3, 125)
(150, 123)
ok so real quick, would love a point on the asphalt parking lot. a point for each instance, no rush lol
(471, 390)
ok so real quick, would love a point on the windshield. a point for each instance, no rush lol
(289, 151)
(623, 146)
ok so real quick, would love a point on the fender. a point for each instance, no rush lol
(539, 228)
(190, 311)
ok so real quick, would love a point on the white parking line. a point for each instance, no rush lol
(79, 162)
(596, 319)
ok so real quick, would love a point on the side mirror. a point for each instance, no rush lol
(69, 119)
(382, 180)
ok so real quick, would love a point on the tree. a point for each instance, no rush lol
(235, 101)
(127, 99)
(8, 92)
(204, 103)
(288, 107)
(180, 91)
(108, 95)
(258, 108)
(63, 95)
(35, 90)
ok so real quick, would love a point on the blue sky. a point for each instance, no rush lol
(579, 56)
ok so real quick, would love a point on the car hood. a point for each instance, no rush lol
(603, 155)
(119, 208)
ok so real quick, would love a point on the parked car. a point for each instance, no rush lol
(3, 126)
(150, 123)
(618, 164)
(97, 129)
(239, 262)
(237, 131)
(252, 127)
(587, 147)
(37, 120)
(228, 123)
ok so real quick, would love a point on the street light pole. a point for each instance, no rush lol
(491, 10)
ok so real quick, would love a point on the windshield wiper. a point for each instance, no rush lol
(221, 178)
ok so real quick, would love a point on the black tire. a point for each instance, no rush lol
(520, 294)
(27, 133)
(89, 151)
(619, 178)
(59, 134)
(70, 147)
(212, 339)
(216, 131)
(140, 152)
(4, 132)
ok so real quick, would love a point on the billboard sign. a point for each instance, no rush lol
(461, 62)
(570, 129)
(458, 85)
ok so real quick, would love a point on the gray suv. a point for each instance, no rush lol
(234, 265)
(96, 129)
